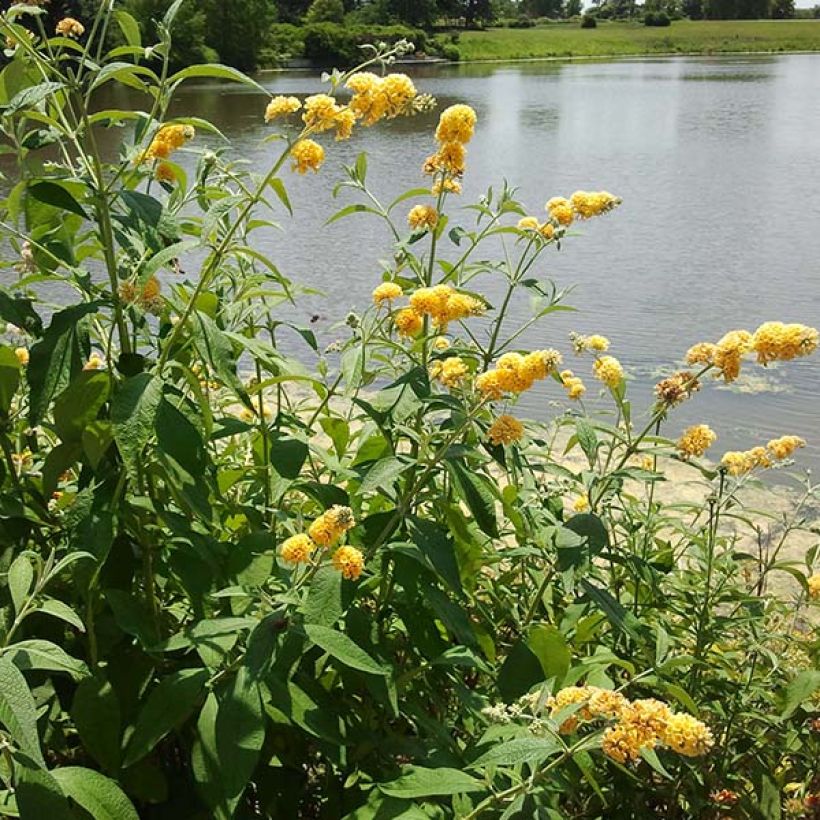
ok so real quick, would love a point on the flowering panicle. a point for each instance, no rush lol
(331, 525)
(595, 343)
(376, 98)
(546, 230)
(443, 304)
(307, 155)
(281, 107)
(167, 140)
(69, 27)
(505, 430)
(450, 371)
(560, 209)
(677, 388)
(349, 561)
(422, 218)
(408, 322)
(455, 129)
(696, 440)
(608, 370)
(386, 292)
(588, 204)
(297, 549)
(22, 355)
(573, 384)
(515, 373)
(776, 341)
(738, 463)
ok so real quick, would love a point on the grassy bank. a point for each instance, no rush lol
(684, 37)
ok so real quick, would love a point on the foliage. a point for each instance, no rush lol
(325, 11)
(657, 18)
(589, 21)
(331, 44)
(241, 584)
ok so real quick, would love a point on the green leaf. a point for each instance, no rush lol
(323, 604)
(217, 350)
(100, 796)
(651, 757)
(349, 210)
(475, 491)
(18, 712)
(343, 649)
(169, 705)
(20, 576)
(587, 439)
(800, 689)
(215, 71)
(29, 97)
(550, 647)
(166, 255)
(620, 618)
(20, 312)
(38, 793)
(57, 609)
(133, 411)
(78, 405)
(59, 354)
(51, 193)
(517, 751)
(281, 192)
(418, 781)
(45, 655)
(288, 455)
(9, 378)
(383, 474)
(129, 27)
(96, 714)
(520, 671)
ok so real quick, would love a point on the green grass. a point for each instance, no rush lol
(612, 39)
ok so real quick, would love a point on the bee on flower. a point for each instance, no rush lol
(331, 525)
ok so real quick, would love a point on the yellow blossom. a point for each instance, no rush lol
(94, 362)
(776, 341)
(376, 97)
(729, 353)
(696, 440)
(574, 386)
(450, 371)
(22, 355)
(505, 430)
(687, 735)
(783, 447)
(386, 292)
(422, 217)
(489, 384)
(349, 561)
(69, 27)
(449, 186)
(281, 106)
(398, 91)
(167, 140)
(450, 158)
(588, 204)
(165, 172)
(320, 112)
(307, 156)
(528, 223)
(814, 586)
(344, 122)
(581, 504)
(598, 343)
(323, 533)
(701, 353)
(441, 343)
(341, 518)
(560, 209)
(408, 322)
(736, 463)
(608, 370)
(456, 124)
(297, 549)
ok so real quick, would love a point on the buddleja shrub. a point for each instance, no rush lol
(237, 584)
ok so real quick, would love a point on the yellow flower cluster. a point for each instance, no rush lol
(297, 549)
(408, 322)
(560, 209)
(167, 140)
(69, 27)
(386, 292)
(588, 204)
(349, 561)
(595, 703)
(455, 129)
(441, 343)
(696, 440)
(422, 217)
(323, 113)
(281, 107)
(450, 371)
(775, 341)
(772, 341)
(443, 304)
(22, 355)
(448, 186)
(165, 172)
(574, 385)
(608, 370)
(546, 230)
(515, 373)
(331, 525)
(595, 342)
(739, 463)
(677, 388)
(505, 430)
(307, 155)
(95, 362)
(581, 504)
(375, 98)
(148, 298)
(814, 586)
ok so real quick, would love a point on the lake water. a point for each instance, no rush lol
(717, 163)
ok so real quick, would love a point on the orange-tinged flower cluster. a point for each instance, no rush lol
(375, 98)
(588, 204)
(331, 525)
(422, 218)
(349, 561)
(560, 209)
(505, 430)
(738, 463)
(814, 586)
(444, 304)
(608, 370)
(165, 172)
(573, 384)
(776, 341)
(408, 322)
(455, 129)
(448, 186)
(281, 107)
(297, 549)
(595, 703)
(516, 372)
(167, 140)
(450, 371)
(696, 440)
(546, 230)
(22, 355)
(307, 155)
(148, 297)
(386, 292)
(321, 113)
(69, 27)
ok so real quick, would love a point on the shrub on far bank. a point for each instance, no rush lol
(588, 21)
(328, 42)
(657, 18)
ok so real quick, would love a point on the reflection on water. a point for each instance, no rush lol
(715, 159)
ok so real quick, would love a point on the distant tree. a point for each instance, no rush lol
(693, 9)
(325, 11)
(572, 8)
(782, 9)
(422, 13)
(542, 8)
(478, 11)
(237, 29)
(292, 11)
